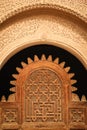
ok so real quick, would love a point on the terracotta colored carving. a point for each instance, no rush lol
(43, 98)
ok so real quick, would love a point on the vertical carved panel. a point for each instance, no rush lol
(43, 97)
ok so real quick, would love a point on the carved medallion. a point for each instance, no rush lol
(77, 115)
(10, 115)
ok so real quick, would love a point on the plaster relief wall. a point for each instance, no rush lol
(8, 7)
(44, 25)
(26, 23)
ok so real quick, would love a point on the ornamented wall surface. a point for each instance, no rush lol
(24, 23)
(9, 7)
(43, 98)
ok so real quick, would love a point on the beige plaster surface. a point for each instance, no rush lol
(9, 6)
(26, 22)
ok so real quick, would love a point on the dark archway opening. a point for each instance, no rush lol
(10, 67)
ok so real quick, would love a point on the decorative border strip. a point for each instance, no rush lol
(44, 6)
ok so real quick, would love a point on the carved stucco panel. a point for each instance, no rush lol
(10, 115)
(10, 7)
(77, 115)
(17, 30)
(43, 27)
(44, 100)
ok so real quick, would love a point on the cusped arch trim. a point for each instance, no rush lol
(66, 47)
(43, 6)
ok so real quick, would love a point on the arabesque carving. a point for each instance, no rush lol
(43, 97)
(52, 105)
(23, 5)
(10, 115)
(77, 115)
(42, 91)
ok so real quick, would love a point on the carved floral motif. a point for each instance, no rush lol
(10, 115)
(77, 115)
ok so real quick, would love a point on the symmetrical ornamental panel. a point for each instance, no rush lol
(10, 115)
(77, 115)
(43, 88)
(43, 96)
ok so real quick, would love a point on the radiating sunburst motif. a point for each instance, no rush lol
(49, 59)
